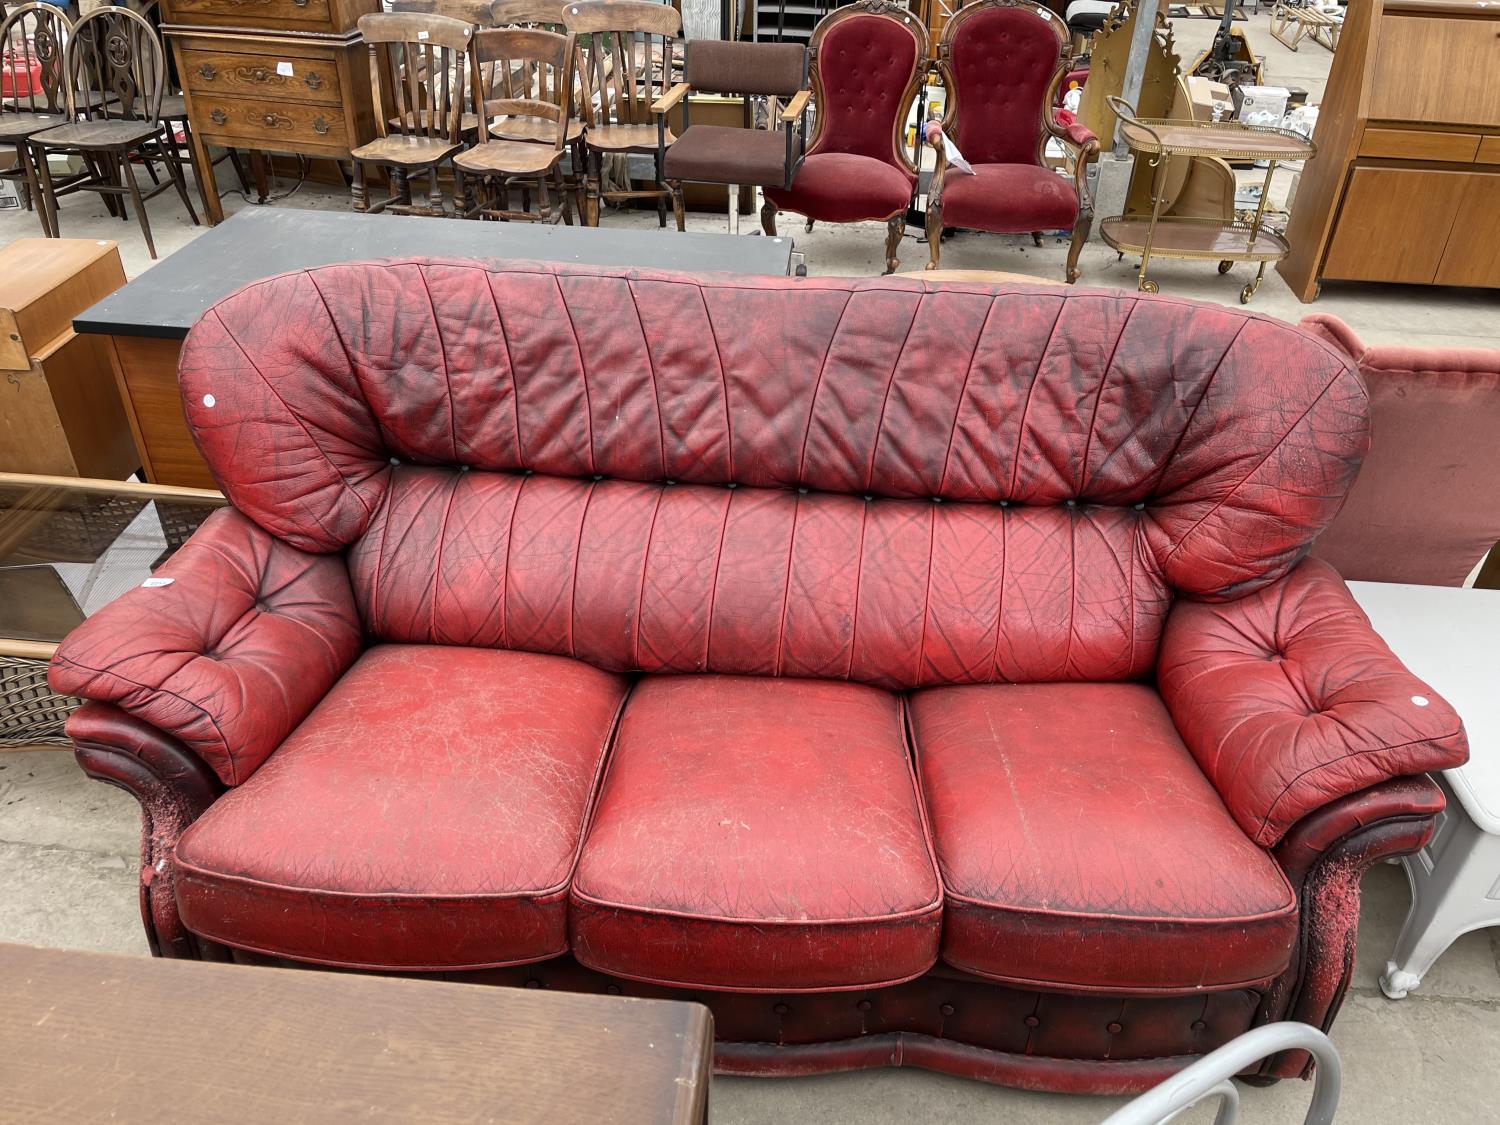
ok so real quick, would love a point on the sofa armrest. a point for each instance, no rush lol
(1289, 700)
(226, 649)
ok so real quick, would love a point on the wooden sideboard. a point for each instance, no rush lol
(288, 76)
(1406, 183)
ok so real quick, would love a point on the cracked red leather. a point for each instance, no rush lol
(427, 815)
(236, 639)
(1405, 799)
(758, 834)
(1083, 849)
(1289, 700)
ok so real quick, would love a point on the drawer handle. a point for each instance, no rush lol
(218, 117)
(300, 3)
(208, 72)
(314, 80)
(260, 74)
(320, 125)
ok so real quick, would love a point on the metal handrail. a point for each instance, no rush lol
(1210, 1076)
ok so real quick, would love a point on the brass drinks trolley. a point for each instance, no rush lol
(1173, 236)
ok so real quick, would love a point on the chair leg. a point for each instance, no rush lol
(48, 206)
(934, 232)
(33, 188)
(1036, 238)
(734, 208)
(235, 162)
(596, 173)
(128, 173)
(434, 191)
(543, 200)
(809, 226)
(895, 231)
(661, 206)
(564, 197)
(179, 181)
(359, 198)
(677, 204)
(1080, 236)
(768, 218)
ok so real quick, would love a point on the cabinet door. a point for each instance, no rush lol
(1394, 224)
(1473, 253)
(1437, 68)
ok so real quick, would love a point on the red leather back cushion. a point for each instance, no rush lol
(864, 67)
(1425, 508)
(1003, 60)
(694, 578)
(1226, 439)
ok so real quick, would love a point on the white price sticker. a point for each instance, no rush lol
(284, 69)
(421, 35)
(152, 583)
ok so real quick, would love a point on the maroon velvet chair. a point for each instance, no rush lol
(866, 60)
(1426, 505)
(913, 674)
(1001, 62)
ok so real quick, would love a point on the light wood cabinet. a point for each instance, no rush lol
(1436, 68)
(1397, 225)
(1472, 256)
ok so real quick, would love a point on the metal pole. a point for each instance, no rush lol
(1135, 65)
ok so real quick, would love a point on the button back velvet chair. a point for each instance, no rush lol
(866, 60)
(1001, 62)
(721, 154)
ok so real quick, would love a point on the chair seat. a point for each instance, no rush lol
(758, 834)
(624, 138)
(1009, 199)
(509, 158)
(1082, 849)
(426, 815)
(18, 126)
(173, 107)
(97, 134)
(718, 154)
(532, 129)
(409, 151)
(841, 187)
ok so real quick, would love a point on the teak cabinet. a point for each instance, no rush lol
(1406, 183)
(288, 76)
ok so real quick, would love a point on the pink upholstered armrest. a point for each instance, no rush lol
(1079, 134)
(229, 649)
(1289, 700)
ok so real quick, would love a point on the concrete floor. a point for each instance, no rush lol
(68, 846)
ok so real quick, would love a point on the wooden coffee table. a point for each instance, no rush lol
(101, 1037)
(68, 546)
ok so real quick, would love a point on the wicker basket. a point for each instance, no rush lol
(31, 714)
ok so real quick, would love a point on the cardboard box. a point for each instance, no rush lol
(1209, 100)
(1262, 105)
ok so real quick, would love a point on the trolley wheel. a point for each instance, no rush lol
(1149, 287)
(1248, 292)
(1225, 267)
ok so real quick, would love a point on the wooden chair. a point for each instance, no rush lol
(115, 68)
(541, 15)
(867, 59)
(627, 52)
(1003, 60)
(419, 63)
(476, 12)
(521, 83)
(718, 154)
(40, 33)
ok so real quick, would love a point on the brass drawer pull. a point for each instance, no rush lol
(208, 72)
(260, 74)
(300, 3)
(218, 117)
(314, 80)
(320, 125)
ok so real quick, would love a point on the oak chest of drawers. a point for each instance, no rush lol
(287, 76)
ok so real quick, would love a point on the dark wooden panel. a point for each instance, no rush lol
(1419, 144)
(135, 1039)
(148, 372)
(244, 73)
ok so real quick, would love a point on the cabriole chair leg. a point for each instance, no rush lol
(768, 218)
(1080, 236)
(895, 231)
(934, 233)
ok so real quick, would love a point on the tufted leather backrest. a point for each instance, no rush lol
(1002, 61)
(864, 65)
(882, 479)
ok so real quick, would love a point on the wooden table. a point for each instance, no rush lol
(147, 319)
(1446, 635)
(95, 1037)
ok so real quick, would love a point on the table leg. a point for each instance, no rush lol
(1447, 902)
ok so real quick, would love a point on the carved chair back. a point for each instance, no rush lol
(422, 61)
(627, 51)
(521, 72)
(1001, 62)
(34, 37)
(544, 15)
(866, 71)
(116, 67)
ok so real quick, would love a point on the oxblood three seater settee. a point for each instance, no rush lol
(912, 673)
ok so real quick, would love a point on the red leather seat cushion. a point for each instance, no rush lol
(758, 835)
(1083, 849)
(426, 815)
(844, 187)
(1009, 199)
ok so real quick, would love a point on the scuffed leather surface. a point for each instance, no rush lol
(427, 815)
(1003, 61)
(230, 655)
(686, 578)
(1409, 799)
(758, 834)
(1082, 848)
(1289, 700)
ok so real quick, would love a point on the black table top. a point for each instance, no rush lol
(260, 242)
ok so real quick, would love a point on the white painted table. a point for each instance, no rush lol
(1451, 638)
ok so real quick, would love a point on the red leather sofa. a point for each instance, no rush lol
(913, 673)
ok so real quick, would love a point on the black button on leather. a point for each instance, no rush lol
(1199, 1025)
(533, 983)
(780, 1009)
(864, 1005)
(1114, 1029)
(612, 989)
(1032, 1021)
(947, 1009)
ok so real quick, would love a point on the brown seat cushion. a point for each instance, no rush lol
(718, 154)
